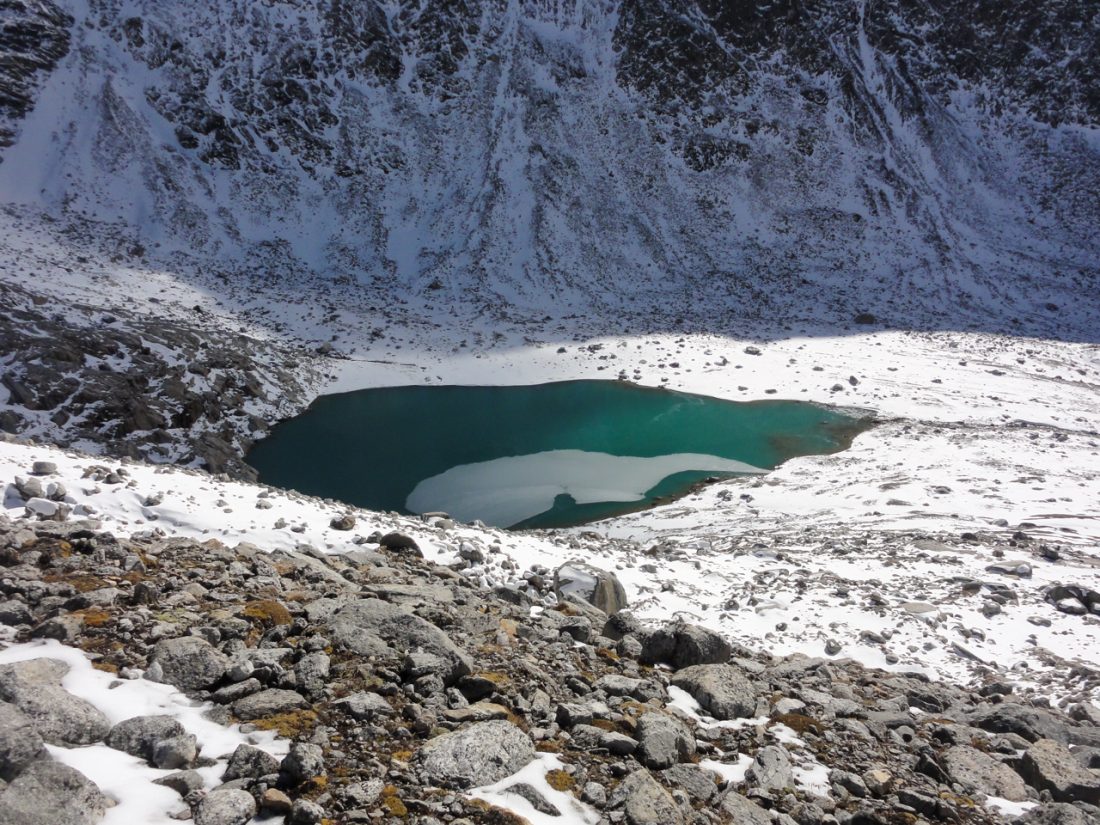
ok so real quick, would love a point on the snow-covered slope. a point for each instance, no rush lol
(932, 163)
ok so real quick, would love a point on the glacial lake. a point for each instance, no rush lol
(545, 455)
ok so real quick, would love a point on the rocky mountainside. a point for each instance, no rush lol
(409, 693)
(932, 163)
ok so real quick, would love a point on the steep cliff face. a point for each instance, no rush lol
(933, 162)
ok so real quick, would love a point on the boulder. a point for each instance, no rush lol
(34, 687)
(978, 772)
(722, 690)
(663, 741)
(225, 806)
(20, 743)
(770, 769)
(644, 801)
(305, 761)
(742, 811)
(248, 762)
(268, 703)
(372, 627)
(700, 784)
(480, 754)
(139, 735)
(49, 793)
(364, 705)
(400, 543)
(681, 645)
(1055, 813)
(189, 663)
(590, 584)
(1029, 722)
(1049, 766)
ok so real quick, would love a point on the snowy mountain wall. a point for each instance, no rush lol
(930, 162)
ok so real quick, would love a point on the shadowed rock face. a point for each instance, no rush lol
(34, 36)
(787, 153)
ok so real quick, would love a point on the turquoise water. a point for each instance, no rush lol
(546, 455)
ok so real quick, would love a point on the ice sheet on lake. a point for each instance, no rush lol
(508, 490)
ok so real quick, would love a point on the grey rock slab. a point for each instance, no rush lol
(189, 663)
(1049, 766)
(480, 754)
(1055, 813)
(770, 769)
(663, 741)
(304, 762)
(49, 793)
(978, 772)
(721, 690)
(364, 705)
(175, 752)
(139, 735)
(742, 811)
(225, 807)
(371, 627)
(34, 687)
(249, 762)
(182, 782)
(645, 801)
(20, 743)
(267, 703)
(1031, 723)
(700, 784)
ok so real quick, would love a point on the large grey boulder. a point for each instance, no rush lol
(305, 761)
(681, 645)
(720, 689)
(978, 772)
(139, 735)
(742, 811)
(189, 663)
(597, 587)
(480, 754)
(225, 807)
(644, 801)
(248, 762)
(1029, 722)
(49, 793)
(268, 703)
(1055, 813)
(20, 743)
(770, 769)
(663, 741)
(34, 687)
(372, 627)
(699, 783)
(1049, 766)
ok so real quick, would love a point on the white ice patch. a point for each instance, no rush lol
(508, 490)
(1007, 807)
(573, 811)
(732, 772)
